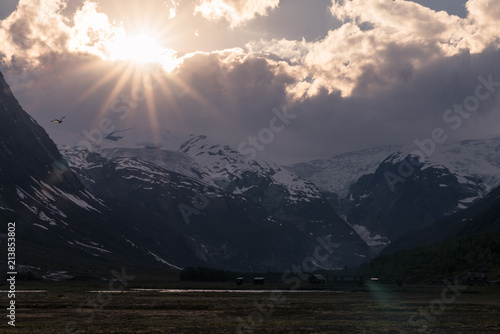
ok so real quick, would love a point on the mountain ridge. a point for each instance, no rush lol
(471, 165)
(279, 195)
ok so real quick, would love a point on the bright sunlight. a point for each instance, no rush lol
(142, 48)
(93, 33)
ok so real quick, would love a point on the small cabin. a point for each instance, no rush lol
(240, 280)
(475, 278)
(494, 283)
(258, 281)
(317, 279)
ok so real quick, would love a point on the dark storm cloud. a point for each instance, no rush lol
(232, 97)
(235, 88)
(399, 113)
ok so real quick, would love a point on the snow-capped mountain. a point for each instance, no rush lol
(217, 225)
(395, 200)
(205, 160)
(207, 182)
(112, 208)
(198, 157)
(337, 174)
(226, 165)
(33, 173)
(278, 190)
(477, 159)
(386, 191)
(58, 223)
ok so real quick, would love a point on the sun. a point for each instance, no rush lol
(141, 48)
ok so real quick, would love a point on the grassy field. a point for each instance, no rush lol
(77, 308)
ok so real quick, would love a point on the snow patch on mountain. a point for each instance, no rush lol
(337, 174)
(91, 247)
(5, 208)
(471, 161)
(224, 164)
(159, 259)
(196, 157)
(40, 226)
(47, 219)
(371, 240)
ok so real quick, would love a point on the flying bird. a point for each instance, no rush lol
(58, 120)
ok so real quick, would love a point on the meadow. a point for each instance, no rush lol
(84, 308)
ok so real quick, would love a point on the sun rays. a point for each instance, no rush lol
(122, 67)
(136, 94)
(130, 61)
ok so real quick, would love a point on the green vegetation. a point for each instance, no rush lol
(469, 253)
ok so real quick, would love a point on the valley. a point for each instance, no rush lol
(381, 309)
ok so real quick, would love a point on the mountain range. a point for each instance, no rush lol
(60, 226)
(205, 188)
(183, 200)
(388, 191)
(153, 209)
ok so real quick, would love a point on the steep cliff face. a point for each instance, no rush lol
(59, 224)
(127, 211)
(35, 180)
(239, 226)
(393, 205)
(383, 195)
(27, 154)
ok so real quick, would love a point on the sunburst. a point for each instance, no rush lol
(142, 48)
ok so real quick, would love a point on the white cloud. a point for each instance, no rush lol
(34, 29)
(37, 29)
(382, 44)
(172, 6)
(92, 32)
(386, 74)
(484, 16)
(235, 12)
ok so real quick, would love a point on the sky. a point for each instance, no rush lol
(292, 78)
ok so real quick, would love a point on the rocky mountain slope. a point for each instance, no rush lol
(393, 203)
(232, 210)
(144, 206)
(481, 217)
(466, 241)
(60, 225)
(385, 192)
